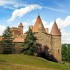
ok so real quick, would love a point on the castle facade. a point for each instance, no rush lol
(52, 39)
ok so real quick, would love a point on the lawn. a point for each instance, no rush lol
(25, 62)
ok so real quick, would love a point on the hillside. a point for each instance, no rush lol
(24, 62)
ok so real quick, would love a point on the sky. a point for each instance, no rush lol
(12, 12)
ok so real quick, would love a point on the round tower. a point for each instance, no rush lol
(56, 42)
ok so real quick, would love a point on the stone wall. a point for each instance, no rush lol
(44, 39)
(52, 42)
(56, 47)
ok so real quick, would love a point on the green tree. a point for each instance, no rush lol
(66, 52)
(7, 42)
(29, 43)
(69, 52)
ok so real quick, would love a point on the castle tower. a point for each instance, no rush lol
(56, 42)
(21, 28)
(38, 27)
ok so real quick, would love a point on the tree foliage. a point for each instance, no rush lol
(7, 42)
(29, 43)
(66, 52)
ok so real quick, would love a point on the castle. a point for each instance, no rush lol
(52, 39)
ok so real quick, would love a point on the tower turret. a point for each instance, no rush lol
(38, 27)
(55, 30)
(56, 42)
(21, 28)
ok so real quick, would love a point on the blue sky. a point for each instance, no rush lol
(12, 12)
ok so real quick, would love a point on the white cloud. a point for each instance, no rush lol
(65, 36)
(4, 2)
(21, 12)
(2, 28)
(10, 4)
(8, 7)
(57, 9)
(63, 23)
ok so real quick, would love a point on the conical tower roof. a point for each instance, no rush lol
(38, 25)
(20, 25)
(55, 30)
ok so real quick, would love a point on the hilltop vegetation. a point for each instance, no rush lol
(24, 62)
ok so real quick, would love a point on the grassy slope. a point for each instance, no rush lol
(24, 62)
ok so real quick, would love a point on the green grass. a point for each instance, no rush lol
(25, 62)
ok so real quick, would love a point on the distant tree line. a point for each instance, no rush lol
(66, 52)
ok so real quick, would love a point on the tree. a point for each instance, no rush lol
(29, 43)
(66, 52)
(7, 42)
(69, 52)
